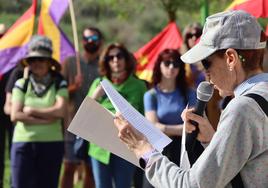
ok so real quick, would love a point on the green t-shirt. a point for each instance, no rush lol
(132, 90)
(41, 132)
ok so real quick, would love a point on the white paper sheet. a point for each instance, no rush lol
(184, 162)
(94, 123)
(154, 135)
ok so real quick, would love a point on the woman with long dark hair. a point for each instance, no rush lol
(170, 94)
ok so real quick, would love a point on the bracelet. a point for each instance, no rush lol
(143, 160)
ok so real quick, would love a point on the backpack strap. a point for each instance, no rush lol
(237, 181)
(60, 82)
(260, 100)
(22, 87)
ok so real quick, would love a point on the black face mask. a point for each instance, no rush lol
(91, 47)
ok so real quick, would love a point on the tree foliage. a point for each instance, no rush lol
(171, 7)
(132, 22)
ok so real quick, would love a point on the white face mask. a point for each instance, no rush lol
(40, 86)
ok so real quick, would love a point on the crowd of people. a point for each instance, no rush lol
(40, 97)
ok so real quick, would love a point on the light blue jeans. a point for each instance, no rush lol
(118, 172)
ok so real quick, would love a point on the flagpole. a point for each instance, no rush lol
(204, 11)
(76, 47)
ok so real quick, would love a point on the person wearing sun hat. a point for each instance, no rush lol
(40, 47)
(231, 50)
(38, 106)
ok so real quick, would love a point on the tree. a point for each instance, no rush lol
(171, 7)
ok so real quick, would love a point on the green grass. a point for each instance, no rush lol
(7, 168)
(7, 172)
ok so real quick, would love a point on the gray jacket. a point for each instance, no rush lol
(240, 144)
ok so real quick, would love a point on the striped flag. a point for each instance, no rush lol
(257, 8)
(13, 45)
(50, 16)
(169, 37)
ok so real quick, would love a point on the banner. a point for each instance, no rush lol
(169, 37)
(257, 8)
(13, 45)
(50, 16)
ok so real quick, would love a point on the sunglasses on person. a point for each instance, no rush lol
(119, 55)
(37, 59)
(174, 63)
(206, 64)
(191, 35)
(92, 38)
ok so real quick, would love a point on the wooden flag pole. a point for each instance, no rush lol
(76, 46)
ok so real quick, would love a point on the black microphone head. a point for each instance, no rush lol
(205, 91)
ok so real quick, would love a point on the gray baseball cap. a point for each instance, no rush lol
(232, 29)
(41, 47)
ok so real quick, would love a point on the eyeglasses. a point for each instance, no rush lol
(206, 64)
(174, 63)
(191, 35)
(37, 59)
(120, 55)
(92, 38)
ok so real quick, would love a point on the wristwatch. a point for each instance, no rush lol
(143, 160)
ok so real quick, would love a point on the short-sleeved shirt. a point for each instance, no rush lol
(89, 74)
(168, 105)
(3, 82)
(16, 74)
(39, 132)
(89, 71)
(132, 90)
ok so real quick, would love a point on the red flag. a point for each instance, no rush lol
(258, 8)
(169, 37)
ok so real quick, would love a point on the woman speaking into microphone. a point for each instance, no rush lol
(231, 50)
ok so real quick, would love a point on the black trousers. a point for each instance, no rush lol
(6, 132)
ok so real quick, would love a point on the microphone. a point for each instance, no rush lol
(192, 145)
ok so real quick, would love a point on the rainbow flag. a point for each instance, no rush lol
(50, 16)
(257, 8)
(169, 37)
(13, 45)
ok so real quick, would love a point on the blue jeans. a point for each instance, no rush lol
(36, 164)
(118, 172)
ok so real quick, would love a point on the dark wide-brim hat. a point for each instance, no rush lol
(41, 47)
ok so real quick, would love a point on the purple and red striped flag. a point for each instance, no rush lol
(50, 16)
(13, 45)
